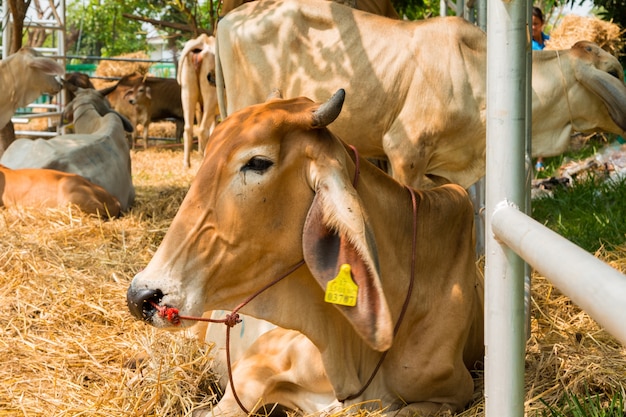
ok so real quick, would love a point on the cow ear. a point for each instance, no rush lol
(47, 65)
(128, 126)
(610, 89)
(337, 233)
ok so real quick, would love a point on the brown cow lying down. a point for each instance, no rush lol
(280, 208)
(50, 188)
(416, 90)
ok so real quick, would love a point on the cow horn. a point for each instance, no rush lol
(328, 112)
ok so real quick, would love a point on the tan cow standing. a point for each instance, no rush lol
(140, 97)
(197, 61)
(277, 192)
(379, 7)
(416, 90)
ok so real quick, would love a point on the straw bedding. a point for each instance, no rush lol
(69, 347)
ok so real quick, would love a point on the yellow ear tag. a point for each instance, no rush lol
(342, 289)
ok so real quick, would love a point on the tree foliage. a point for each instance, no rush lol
(103, 27)
(416, 9)
(609, 10)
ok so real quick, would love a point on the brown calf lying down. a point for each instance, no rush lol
(50, 188)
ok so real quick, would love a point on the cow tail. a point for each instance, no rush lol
(219, 82)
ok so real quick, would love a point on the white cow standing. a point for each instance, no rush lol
(197, 61)
(24, 76)
(416, 90)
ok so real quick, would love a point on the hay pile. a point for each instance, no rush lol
(68, 343)
(120, 68)
(578, 28)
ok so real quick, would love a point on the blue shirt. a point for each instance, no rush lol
(539, 46)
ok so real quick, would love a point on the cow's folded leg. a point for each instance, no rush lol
(423, 409)
(282, 367)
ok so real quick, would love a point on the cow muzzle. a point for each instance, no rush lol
(141, 302)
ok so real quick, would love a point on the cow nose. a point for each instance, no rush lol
(59, 85)
(141, 302)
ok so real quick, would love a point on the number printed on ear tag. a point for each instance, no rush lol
(342, 289)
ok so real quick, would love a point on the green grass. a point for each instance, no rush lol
(589, 406)
(591, 213)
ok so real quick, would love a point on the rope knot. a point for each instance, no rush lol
(232, 320)
(169, 313)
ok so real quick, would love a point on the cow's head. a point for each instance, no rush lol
(140, 94)
(603, 75)
(86, 99)
(42, 74)
(275, 187)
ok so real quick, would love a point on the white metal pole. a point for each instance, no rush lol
(504, 270)
(593, 285)
(6, 30)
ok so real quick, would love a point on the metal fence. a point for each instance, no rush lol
(51, 107)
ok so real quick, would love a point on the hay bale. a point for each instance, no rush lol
(121, 68)
(578, 28)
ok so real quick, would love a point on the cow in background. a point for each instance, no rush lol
(51, 188)
(24, 76)
(71, 80)
(283, 210)
(165, 101)
(423, 105)
(98, 151)
(140, 97)
(196, 64)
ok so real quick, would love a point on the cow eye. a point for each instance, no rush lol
(257, 164)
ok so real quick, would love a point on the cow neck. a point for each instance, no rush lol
(405, 305)
(171, 313)
(565, 91)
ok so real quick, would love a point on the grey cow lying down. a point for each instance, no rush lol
(416, 91)
(98, 151)
(285, 213)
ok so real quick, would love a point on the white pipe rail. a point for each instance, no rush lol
(593, 285)
(505, 339)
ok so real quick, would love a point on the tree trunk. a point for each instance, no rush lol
(18, 10)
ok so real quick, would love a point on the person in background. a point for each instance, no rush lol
(538, 43)
(539, 38)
